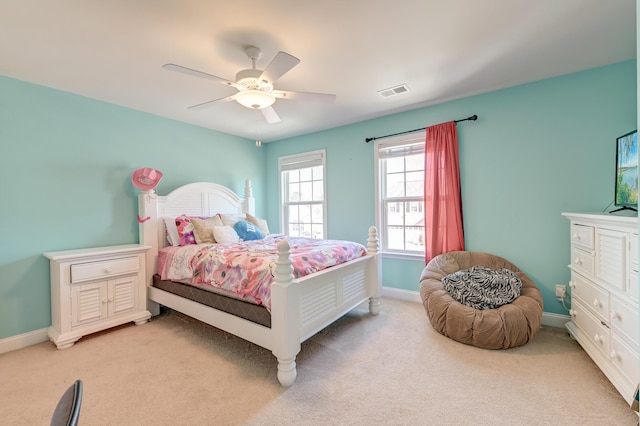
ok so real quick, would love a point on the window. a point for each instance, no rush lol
(303, 206)
(400, 191)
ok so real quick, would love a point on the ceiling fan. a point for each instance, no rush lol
(255, 86)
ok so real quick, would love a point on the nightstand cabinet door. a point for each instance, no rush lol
(122, 295)
(88, 303)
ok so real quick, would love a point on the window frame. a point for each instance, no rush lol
(416, 139)
(298, 162)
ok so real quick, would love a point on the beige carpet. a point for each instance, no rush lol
(392, 369)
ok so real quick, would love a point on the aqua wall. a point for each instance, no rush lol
(65, 169)
(536, 150)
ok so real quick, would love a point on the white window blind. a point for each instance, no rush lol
(301, 161)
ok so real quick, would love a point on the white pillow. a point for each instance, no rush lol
(225, 235)
(229, 220)
(172, 231)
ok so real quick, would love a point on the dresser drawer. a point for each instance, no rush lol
(81, 272)
(626, 359)
(583, 235)
(593, 327)
(592, 296)
(624, 320)
(582, 261)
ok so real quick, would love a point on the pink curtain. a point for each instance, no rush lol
(442, 199)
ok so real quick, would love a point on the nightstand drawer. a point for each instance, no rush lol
(104, 269)
(582, 235)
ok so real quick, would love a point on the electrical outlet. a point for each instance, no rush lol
(561, 291)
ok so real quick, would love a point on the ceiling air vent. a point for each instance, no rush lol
(392, 91)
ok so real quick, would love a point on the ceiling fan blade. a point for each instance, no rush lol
(189, 71)
(209, 104)
(278, 67)
(303, 96)
(270, 115)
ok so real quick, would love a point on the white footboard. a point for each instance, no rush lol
(301, 308)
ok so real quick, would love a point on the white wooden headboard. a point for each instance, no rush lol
(194, 199)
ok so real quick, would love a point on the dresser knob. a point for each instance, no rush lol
(108, 270)
(576, 236)
(572, 312)
(572, 284)
(104, 301)
(597, 338)
(577, 261)
(596, 303)
(615, 315)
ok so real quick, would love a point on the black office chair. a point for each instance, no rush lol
(67, 411)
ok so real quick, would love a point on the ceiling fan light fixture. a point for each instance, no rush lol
(255, 99)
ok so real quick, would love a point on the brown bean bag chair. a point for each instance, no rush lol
(509, 325)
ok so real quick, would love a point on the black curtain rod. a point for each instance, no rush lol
(367, 140)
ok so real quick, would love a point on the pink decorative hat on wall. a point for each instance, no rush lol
(146, 178)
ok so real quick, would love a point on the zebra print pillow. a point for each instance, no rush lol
(483, 288)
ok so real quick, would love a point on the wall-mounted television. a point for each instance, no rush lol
(626, 197)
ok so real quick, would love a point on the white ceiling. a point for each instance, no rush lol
(114, 50)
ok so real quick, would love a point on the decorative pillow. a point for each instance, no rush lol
(203, 229)
(185, 230)
(171, 231)
(260, 223)
(483, 288)
(225, 234)
(229, 220)
(247, 231)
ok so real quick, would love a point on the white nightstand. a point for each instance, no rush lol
(94, 289)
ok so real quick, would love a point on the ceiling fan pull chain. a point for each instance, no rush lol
(258, 141)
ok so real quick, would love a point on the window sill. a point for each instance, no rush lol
(403, 256)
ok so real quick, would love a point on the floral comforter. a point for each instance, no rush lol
(246, 270)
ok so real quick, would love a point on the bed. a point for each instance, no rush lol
(299, 307)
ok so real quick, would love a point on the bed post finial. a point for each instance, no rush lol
(284, 270)
(248, 203)
(248, 190)
(373, 243)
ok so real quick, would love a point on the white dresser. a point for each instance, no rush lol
(604, 295)
(94, 289)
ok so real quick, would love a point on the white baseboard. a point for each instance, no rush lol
(398, 293)
(555, 320)
(23, 340)
(549, 319)
(38, 336)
